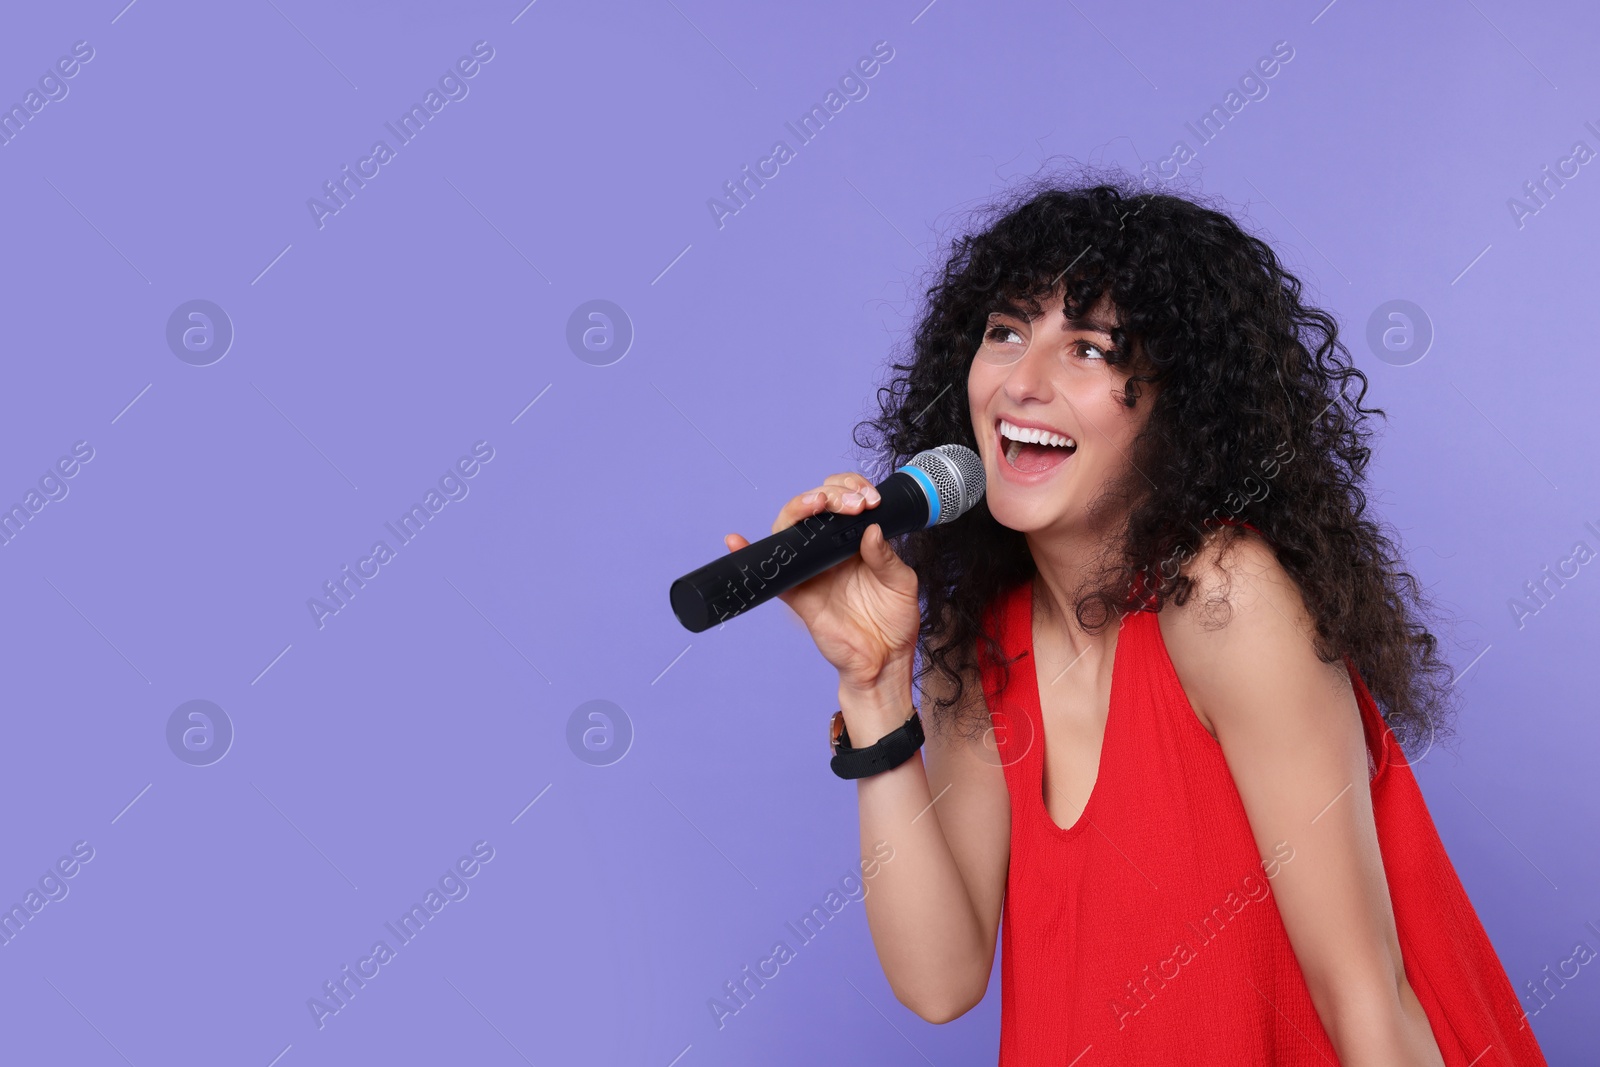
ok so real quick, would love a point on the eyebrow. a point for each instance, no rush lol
(1006, 307)
(1081, 325)
(1092, 325)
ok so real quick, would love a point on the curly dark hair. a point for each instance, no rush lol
(1256, 418)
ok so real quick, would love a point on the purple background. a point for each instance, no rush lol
(429, 312)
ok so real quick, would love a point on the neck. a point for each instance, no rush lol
(1067, 564)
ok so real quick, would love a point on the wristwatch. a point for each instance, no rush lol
(891, 750)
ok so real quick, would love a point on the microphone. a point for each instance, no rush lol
(936, 486)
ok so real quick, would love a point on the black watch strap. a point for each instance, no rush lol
(891, 750)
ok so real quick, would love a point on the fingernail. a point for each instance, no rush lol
(810, 498)
(873, 496)
(852, 499)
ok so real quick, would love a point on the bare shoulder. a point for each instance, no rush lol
(1289, 728)
(1243, 627)
(1234, 573)
(1245, 649)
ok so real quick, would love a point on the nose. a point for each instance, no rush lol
(1029, 377)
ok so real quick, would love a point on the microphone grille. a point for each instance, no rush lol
(957, 475)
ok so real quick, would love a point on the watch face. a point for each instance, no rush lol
(836, 731)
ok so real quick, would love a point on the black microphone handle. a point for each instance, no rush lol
(730, 586)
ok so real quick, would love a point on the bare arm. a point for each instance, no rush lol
(934, 909)
(1290, 731)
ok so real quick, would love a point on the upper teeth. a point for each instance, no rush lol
(1035, 437)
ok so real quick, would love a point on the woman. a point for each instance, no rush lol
(1166, 663)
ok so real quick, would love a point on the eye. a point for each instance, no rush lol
(999, 333)
(1086, 347)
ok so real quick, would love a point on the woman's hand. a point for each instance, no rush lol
(935, 910)
(863, 613)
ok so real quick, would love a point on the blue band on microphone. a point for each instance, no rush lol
(928, 490)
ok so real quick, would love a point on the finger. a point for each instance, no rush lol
(734, 542)
(847, 479)
(808, 503)
(836, 487)
(854, 482)
(884, 563)
(823, 498)
(853, 498)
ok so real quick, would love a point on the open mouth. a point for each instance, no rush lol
(1031, 450)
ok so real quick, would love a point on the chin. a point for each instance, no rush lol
(1025, 516)
(1028, 508)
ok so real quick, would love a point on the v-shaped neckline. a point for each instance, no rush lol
(1037, 791)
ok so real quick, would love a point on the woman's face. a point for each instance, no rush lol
(1046, 381)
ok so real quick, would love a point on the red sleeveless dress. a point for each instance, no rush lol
(1147, 934)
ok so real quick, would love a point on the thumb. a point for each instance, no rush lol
(734, 542)
(879, 557)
